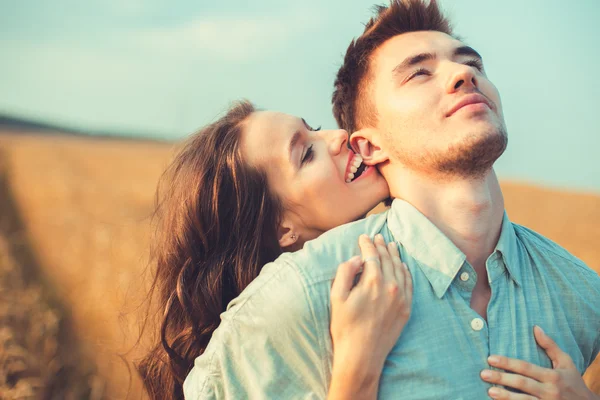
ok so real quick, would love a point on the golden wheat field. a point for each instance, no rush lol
(74, 232)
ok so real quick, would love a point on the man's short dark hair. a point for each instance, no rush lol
(352, 107)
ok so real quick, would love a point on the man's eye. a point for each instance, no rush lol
(475, 63)
(420, 71)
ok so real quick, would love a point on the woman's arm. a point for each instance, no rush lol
(367, 319)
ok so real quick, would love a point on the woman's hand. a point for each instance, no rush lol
(562, 382)
(367, 319)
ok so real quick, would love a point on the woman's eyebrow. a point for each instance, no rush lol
(295, 139)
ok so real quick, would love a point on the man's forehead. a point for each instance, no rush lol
(409, 44)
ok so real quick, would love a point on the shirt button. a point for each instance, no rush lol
(477, 324)
(464, 276)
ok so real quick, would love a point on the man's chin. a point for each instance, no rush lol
(475, 156)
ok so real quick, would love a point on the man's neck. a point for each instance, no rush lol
(468, 211)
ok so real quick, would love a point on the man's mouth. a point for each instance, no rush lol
(355, 167)
(473, 99)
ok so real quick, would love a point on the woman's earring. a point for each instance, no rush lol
(294, 237)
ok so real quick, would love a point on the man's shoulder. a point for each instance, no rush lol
(541, 248)
(534, 240)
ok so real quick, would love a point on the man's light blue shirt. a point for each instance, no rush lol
(274, 341)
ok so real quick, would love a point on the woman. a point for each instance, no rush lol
(242, 191)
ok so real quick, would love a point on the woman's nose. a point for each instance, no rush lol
(335, 140)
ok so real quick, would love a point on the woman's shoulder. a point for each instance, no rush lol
(300, 275)
(275, 277)
(319, 259)
(293, 283)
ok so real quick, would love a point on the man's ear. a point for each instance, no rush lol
(286, 234)
(366, 143)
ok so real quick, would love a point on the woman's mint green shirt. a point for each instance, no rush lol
(274, 341)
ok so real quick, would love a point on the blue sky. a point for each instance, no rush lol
(168, 67)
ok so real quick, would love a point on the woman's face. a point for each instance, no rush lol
(321, 182)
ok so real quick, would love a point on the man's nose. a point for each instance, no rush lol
(335, 140)
(463, 77)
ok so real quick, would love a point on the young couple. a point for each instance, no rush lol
(261, 213)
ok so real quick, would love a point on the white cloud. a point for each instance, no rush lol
(231, 38)
(144, 78)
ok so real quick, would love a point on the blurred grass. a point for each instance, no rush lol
(38, 357)
(82, 209)
(85, 205)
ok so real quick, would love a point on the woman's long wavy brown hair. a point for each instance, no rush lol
(216, 226)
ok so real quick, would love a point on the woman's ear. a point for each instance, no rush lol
(286, 235)
(366, 143)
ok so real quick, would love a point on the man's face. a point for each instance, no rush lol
(436, 110)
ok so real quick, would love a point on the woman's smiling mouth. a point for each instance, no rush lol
(355, 167)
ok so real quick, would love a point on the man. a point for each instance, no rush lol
(424, 112)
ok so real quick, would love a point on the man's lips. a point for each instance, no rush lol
(467, 100)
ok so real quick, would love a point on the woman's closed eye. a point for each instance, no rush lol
(310, 128)
(308, 155)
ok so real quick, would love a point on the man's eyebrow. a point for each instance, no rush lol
(295, 138)
(419, 58)
(413, 60)
(466, 51)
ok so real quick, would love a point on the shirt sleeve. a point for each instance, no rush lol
(596, 349)
(268, 345)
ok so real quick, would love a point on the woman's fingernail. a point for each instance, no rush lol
(356, 261)
(486, 374)
(493, 360)
(541, 330)
(494, 392)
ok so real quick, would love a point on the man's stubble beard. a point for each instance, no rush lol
(471, 158)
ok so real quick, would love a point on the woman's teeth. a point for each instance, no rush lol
(354, 165)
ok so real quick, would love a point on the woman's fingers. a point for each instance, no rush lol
(519, 366)
(372, 265)
(398, 268)
(515, 381)
(399, 272)
(403, 275)
(387, 265)
(559, 358)
(497, 393)
(344, 278)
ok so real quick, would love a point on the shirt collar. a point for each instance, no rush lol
(437, 257)
(508, 247)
